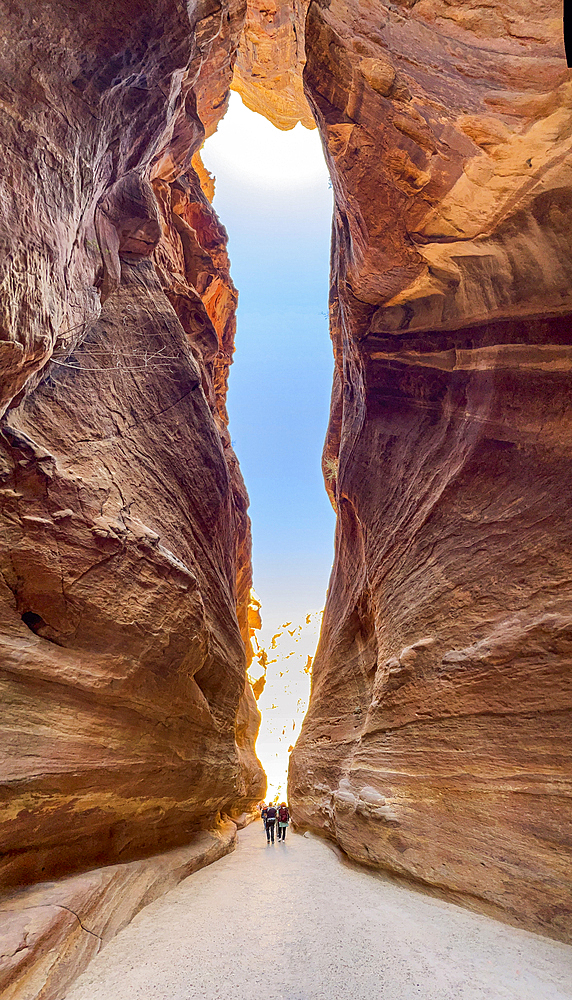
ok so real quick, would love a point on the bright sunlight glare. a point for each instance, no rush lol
(247, 146)
(284, 700)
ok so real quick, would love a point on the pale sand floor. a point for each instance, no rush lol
(291, 922)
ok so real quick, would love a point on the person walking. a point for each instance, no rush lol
(271, 814)
(263, 812)
(283, 820)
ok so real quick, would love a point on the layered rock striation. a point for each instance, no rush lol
(437, 742)
(128, 722)
(50, 932)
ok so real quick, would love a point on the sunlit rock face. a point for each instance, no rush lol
(283, 689)
(268, 69)
(437, 743)
(125, 553)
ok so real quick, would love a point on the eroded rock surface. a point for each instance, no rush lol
(125, 555)
(268, 69)
(437, 743)
(50, 932)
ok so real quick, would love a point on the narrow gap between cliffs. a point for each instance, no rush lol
(273, 195)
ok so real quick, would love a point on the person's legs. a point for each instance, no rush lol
(270, 829)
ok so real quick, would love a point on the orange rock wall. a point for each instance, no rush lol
(437, 743)
(270, 60)
(50, 932)
(127, 722)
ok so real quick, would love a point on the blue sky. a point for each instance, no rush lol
(272, 194)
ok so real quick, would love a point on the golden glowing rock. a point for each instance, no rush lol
(438, 738)
(270, 60)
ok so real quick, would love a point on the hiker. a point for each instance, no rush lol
(263, 812)
(271, 814)
(283, 820)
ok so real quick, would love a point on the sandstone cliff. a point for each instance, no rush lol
(50, 932)
(437, 742)
(270, 60)
(125, 554)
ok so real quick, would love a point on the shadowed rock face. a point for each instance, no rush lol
(437, 742)
(50, 932)
(125, 554)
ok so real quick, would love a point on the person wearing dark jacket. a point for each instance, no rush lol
(271, 814)
(283, 820)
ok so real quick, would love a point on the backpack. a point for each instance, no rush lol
(271, 812)
(283, 814)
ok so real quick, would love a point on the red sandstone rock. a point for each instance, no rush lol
(437, 743)
(270, 60)
(125, 547)
(50, 932)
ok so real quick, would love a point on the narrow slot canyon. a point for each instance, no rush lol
(273, 191)
(430, 780)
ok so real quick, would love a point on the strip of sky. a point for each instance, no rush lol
(273, 196)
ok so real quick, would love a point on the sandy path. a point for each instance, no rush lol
(291, 922)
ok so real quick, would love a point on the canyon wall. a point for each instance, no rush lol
(128, 723)
(437, 744)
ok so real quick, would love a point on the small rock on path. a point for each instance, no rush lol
(291, 922)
